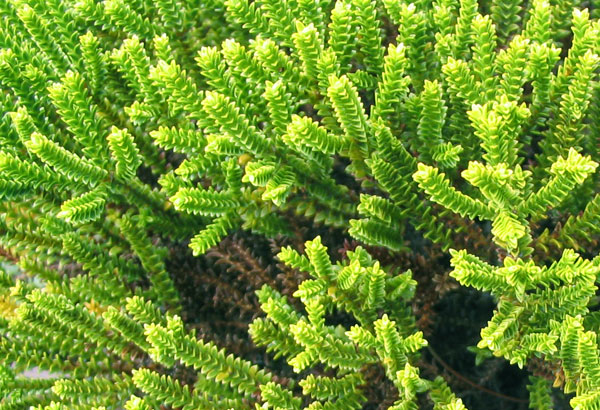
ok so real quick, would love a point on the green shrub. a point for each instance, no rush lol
(268, 136)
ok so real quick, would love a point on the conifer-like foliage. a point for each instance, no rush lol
(150, 149)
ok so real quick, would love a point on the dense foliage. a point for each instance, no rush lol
(267, 204)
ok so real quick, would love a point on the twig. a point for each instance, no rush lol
(471, 383)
